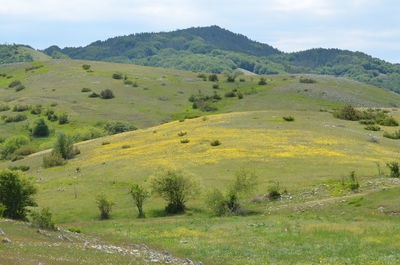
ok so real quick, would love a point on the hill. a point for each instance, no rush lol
(213, 49)
(309, 158)
(20, 53)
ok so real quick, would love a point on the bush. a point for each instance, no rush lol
(174, 187)
(388, 121)
(139, 195)
(16, 194)
(14, 83)
(128, 82)
(306, 80)
(16, 118)
(85, 90)
(372, 128)
(63, 119)
(185, 141)
(74, 229)
(118, 127)
(105, 206)
(36, 110)
(65, 146)
(11, 144)
(213, 78)
(351, 182)
(19, 88)
(367, 122)
(230, 94)
(21, 108)
(86, 66)
(349, 113)
(215, 143)
(182, 134)
(262, 82)
(24, 151)
(394, 169)
(107, 94)
(94, 95)
(54, 159)
(117, 76)
(40, 129)
(288, 118)
(239, 95)
(215, 86)
(274, 192)
(43, 219)
(217, 202)
(395, 135)
(4, 108)
(21, 168)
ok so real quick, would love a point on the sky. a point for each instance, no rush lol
(370, 26)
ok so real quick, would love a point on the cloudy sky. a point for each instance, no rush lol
(371, 26)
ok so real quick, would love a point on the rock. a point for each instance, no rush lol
(2, 233)
(143, 246)
(166, 253)
(188, 261)
(64, 238)
(6, 240)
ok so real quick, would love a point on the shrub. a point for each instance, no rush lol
(388, 121)
(125, 146)
(16, 118)
(43, 219)
(14, 83)
(185, 141)
(262, 81)
(54, 159)
(395, 135)
(230, 78)
(215, 143)
(174, 187)
(216, 201)
(239, 95)
(105, 206)
(4, 108)
(348, 112)
(74, 230)
(16, 194)
(202, 76)
(351, 182)
(306, 80)
(128, 82)
(94, 95)
(215, 86)
(372, 128)
(139, 195)
(230, 94)
(105, 143)
(63, 119)
(394, 169)
(288, 118)
(24, 151)
(182, 134)
(19, 88)
(87, 134)
(118, 127)
(86, 66)
(367, 122)
(86, 89)
(21, 168)
(36, 110)
(213, 78)
(274, 192)
(107, 94)
(21, 108)
(40, 129)
(64, 145)
(117, 76)
(11, 144)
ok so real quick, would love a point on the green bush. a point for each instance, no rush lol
(215, 143)
(24, 151)
(394, 169)
(139, 195)
(388, 121)
(128, 82)
(215, 86)
(86, 89)
(182, 134)
(117, 76)
(348, 112)
(94, 95)
(16, 193)
(21, 168)
(74, 229)
(367, 122)
(274, 192)
(395, 135)
(14, 83)
(107, 94)
(174, 187)
(64, 145)
(351, 182)
(63, 118)
(288, 118)
(239, 95)
(53, 159)
(21, 108)
(19, 88)
(86, 66)
(43, 219)
(118, 127)
(36, 110)
(372, 128)
(262, 81)
(4, 108)
(230, 94)
(215, 200)
(40, 129)
(16, 118)
(306, 80)
(185, 141)
(11, 144)
(213, 78)
(105, 206)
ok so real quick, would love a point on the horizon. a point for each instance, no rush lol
(290, 26)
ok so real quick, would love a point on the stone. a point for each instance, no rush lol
(2, 233)
(6, 240)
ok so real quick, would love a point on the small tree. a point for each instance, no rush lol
(63, 118)
(175, 188)
(40, 129)
(213, 78)
(65, 146)
(139, 195)
(43, 219)
(15, 194)
(394, 169)
(262, 81)
(105, 206)
(106, 94)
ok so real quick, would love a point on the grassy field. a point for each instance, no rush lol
(317, 222)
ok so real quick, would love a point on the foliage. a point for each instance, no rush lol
(395, 135)
(215, 143)
(351, 182)
(94, 95)
(11, 144)
(372, 128)
(22, 168)
(43, 219)
(118, 127)
(117, 76)
(86, 66)
(349, 113)
(86, 89)
(16, 194)
(64, 145)
(107, 94)
(213, 78)
(53, 159)
(262, 81)
(139, 195)
(306, 80)
(63, 118)
(288, 118)
(105, 206)
(21, 108)
(174, 187)
(16, 118)
(185, 141)
(40, 129)
(394, 169)
(14, 53)
(274, 192)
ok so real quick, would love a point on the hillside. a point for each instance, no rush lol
(308, 157)
(20, 53)
(151, 96)
(213, 49)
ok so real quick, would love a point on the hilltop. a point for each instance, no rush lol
(20, 53)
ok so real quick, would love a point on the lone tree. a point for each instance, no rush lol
(139, 195)
(15, 194)
(175, 188)
(105, 206)
(65, 146)
(40, 129)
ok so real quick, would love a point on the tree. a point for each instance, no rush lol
(213, 78)
(65, 146)
(174, 187)
(16, 194)
(11, 144)
(139, 195)
(40, 129)
(105, 206)
(106, 94)
(394, 169)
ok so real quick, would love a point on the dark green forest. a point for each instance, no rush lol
(216, 50)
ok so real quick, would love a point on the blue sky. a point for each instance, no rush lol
(371, 26)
